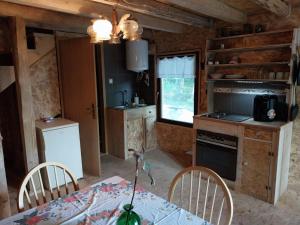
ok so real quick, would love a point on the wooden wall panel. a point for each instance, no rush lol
(177, 140)
(192, 39)
(4, 198)
(10, 130)
(24, 93)
(44, 79)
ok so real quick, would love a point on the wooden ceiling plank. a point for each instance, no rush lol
(212, 8)
(160, 10)
(278, 7)
(90, 9)
(47, 19)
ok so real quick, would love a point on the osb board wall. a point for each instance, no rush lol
(273, 22)
(44, 82)
(192, 39)
(177, 140)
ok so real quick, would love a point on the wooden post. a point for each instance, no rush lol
(24, 94)
(4, 198)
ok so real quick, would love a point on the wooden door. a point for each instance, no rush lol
(79, 90)
(256, 168)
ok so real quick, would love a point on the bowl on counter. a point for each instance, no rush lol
(216, 75)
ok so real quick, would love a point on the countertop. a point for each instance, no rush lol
(249, 122)
(54, 124)
(130, 108)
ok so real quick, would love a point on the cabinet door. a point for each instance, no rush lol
(256, 168)
(135, 134)
(150, 133)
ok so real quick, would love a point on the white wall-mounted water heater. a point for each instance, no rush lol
(137, 55)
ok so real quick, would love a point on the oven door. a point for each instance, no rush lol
(220, 158)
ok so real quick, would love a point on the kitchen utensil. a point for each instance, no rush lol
(279, 75)
(216, 75)
(265, 107)
(286, 75)
(282, 111)
(247, 28)
(259, 28)
(272, 75)
(234, 60)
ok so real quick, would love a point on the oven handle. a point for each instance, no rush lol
(219, 144)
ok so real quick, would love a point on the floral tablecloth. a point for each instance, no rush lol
(102, 203)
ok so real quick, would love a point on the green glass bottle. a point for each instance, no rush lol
(129, 217)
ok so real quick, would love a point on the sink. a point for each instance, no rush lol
(129, 107)
(120, 107)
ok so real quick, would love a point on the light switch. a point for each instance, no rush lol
(110, 81)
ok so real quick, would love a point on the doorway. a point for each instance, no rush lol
(80, 97)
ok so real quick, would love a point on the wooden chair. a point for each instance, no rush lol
(209, 184)
(34, 180)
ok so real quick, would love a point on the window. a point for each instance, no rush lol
(177, 85)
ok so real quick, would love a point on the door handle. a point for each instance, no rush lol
(92, 110)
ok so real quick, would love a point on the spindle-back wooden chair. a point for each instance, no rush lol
(34, 180)
(214, 186)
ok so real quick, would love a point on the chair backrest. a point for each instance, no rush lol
(203, 192)
(34, 181)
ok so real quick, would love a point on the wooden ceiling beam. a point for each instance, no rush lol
(278, 7)
(212, 8)
(160, 10)
(90, 9)
(46, 19)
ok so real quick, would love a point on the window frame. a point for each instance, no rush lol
(196, 88)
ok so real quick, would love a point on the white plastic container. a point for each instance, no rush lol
(137, 55)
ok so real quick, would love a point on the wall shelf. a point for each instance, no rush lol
(253, 35)
(246, 80)
(259, 54)
(249, 64)
(259, 48)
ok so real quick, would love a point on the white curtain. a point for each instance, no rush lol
(177, 67)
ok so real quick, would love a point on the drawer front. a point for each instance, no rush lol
(216, 126)
(134, 114)
(258, 134)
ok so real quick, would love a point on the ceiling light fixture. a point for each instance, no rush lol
(102, 29)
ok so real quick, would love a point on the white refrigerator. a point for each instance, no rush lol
(59, 141)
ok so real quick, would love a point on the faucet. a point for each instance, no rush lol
(125, 101)
(124, 97)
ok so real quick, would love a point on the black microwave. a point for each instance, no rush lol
(265, 108)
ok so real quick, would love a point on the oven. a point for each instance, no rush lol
(217, 152)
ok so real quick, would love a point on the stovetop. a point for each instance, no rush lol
(228, 116)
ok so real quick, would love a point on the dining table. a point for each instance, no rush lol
(102, 203)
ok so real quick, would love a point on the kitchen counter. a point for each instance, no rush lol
(129, 107)
(263, 153)
(249, 122)
(134, 128)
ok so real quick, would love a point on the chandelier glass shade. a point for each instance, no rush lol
(102, 29)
